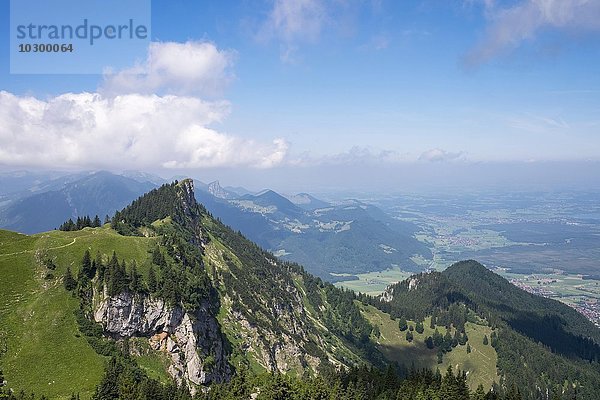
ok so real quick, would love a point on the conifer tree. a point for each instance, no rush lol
(447, 344)
(429, 342)
(86, 265)
(462, 339)
(135, 283)
(494, 339)
(108, 388)
(437, 338)
(479, 393)
(68, 280)
(100, 268)
(448, 389)
(152, 283)
(419, 327)
(456, 338)
(462, 389)
(376, 331)
(515, 394)
(402, 324)
(158, 258)
(118, 280)
(437, 378)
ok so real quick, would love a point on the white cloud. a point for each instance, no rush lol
(145, 117)
(127, 131)
(296, 19)
(439, 155)
(357, 155)
(292, 23)
(509, 27)
(538, 124)
(191, 68)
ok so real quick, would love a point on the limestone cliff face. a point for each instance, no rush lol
(189, 212)
(282, 351)
(193, 341)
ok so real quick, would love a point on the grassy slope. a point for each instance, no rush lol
(480, 364)
(375, 283)
(45, 354)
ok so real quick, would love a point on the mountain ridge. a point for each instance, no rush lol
(100, 193)
(166, 252)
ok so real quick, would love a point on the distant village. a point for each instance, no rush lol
(589, 307)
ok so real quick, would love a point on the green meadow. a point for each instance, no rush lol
(40, 347)
(480, 364)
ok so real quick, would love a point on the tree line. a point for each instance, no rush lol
(82, 222)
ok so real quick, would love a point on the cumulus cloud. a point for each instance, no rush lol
(149, 116)
(191, 68)
(128, 131)
(439, 155)
(509, 27)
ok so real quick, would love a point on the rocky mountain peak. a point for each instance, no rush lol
(216, 190)
(186, 194)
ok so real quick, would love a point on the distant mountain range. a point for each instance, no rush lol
(54, 201)
(348, 238)
(307, 202)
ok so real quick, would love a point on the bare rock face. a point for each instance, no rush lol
(216, 190)
(186, 195)
(387, 295)
(191, 218)
(188, 339)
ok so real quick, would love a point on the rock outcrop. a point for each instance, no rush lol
(216, 190)
(193, 341)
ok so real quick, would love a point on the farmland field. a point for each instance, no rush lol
(550, 237)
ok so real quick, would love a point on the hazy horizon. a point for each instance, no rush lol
(316, 94)
(382, 180)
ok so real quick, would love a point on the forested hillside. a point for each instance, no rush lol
(542, 344)
(166, 301)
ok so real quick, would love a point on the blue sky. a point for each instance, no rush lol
(309, 84)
